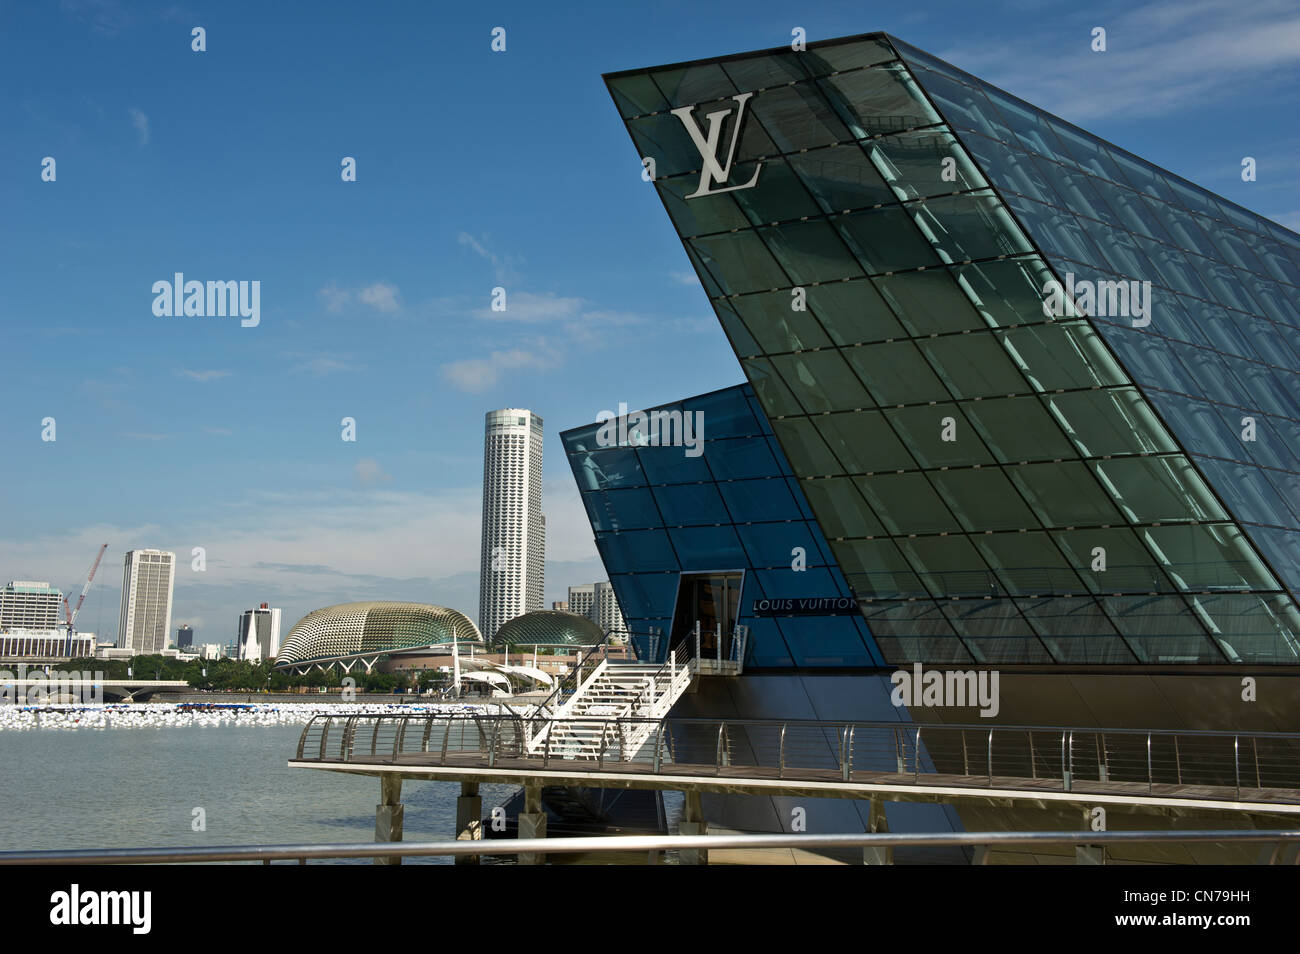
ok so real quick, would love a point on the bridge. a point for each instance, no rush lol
(53, 689)
(612, 731)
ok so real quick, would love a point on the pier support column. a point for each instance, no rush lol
(532, 823)
(693, 823)
(388, 814)
(877, 822)
(469, 819)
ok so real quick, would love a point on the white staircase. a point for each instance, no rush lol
(614, 691)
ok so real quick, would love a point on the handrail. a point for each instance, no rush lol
(576, 674)
(868, 752)
(633, 843)
(869, 723)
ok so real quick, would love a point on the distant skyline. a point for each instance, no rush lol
(475, 170)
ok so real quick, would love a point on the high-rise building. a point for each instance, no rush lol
(184, 637)
(598, 603)
(514, 530)
(258, 636)
(30, 605)
(560, 605)
(146, 615)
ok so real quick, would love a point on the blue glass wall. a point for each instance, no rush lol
(658, 512)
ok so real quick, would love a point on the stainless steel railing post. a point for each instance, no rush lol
(1236, 762)
(780, 771)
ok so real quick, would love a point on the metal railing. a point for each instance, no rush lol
(1263, 766)
(648, 843)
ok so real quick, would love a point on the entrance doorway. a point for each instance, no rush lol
(713, 598)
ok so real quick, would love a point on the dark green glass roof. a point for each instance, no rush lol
(550, 628)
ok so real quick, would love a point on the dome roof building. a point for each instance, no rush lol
(348, 633)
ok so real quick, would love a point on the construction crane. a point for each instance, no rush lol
(90, 578)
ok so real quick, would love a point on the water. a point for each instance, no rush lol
(132, 788)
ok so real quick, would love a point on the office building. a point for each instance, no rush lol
(597, 602)
(184, 637)
(512, 566)
(30, 605)
(258, 636)
(146, 615)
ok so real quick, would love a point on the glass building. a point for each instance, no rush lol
(549, 628)
(685, 538)
(348, 633)
(1027, 398)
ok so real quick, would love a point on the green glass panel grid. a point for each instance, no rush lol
(906, 503)
(810, 251)
(967, 227)
(842, 178)
(776, 325)
(822, 380)
(1178, 227)
(924, 163)
(879, 100)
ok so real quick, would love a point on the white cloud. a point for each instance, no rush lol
(318, 365)
(333, 297)
(503, 267)
(368, 471)
(141, 123)
(528, 307)
(685, 278)
(1164, 58)
(202, 376)
(476, 375)
(380, 296)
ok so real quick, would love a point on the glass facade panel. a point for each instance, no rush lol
(1002, 484)
(648, 536)
(983, 498)
(842, 178)
(906, 503)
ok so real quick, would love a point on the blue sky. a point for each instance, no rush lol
(475, 169)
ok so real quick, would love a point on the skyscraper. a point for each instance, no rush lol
(258, 636)
(598, 603)
(28, 604)
(146, 617)
(185, 637)
(514, 530)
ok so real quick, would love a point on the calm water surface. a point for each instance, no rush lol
(123, 788)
